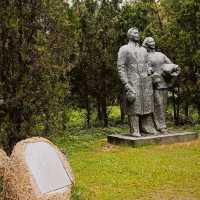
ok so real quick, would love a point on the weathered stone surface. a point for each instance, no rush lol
(149, 140)
(37, 170)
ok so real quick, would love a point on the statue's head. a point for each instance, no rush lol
(149, 42)
(133, 34)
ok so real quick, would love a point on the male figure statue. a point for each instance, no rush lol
(164, 72)
(133, 73)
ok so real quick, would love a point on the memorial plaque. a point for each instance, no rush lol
(46, 167)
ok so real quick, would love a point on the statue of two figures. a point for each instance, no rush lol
(146, 76)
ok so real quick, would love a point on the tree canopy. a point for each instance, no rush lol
(55, 55)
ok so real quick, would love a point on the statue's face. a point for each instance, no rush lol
(151, 43)
(134, 35)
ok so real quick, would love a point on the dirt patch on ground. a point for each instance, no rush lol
(192, 144)
(173, 197)
(170, 194)
(108, 148)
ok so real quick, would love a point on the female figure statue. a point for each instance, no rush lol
(164, 72)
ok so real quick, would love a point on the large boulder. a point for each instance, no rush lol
(37, 170)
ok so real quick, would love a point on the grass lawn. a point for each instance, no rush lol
(107, 172)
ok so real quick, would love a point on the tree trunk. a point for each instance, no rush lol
(198, 110)
(122, 103)
(46, 123)
(186, 109)
(99, 113)
(178, 112)
(104, 111)
(158, 15)
(174, 107)
(178, 107)
(88, 114)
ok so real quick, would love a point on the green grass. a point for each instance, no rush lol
(106, 172)
(109, 172)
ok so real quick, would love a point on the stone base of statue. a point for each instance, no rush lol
(170, 138)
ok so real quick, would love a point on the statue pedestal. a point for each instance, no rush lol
(152, 139)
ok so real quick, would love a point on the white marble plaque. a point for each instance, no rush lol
(46, 167)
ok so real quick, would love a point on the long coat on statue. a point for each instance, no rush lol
(133, 71)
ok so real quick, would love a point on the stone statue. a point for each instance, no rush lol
(164, 73)
(133, 73)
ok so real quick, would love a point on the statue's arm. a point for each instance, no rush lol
(121, 66)
(176, 70)
(167, 60)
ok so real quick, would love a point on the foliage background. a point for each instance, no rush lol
(57, 59)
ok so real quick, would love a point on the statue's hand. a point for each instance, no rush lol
(149, 70)
(130, 93)
(130, 96)
(127, 87)
(156, 78)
